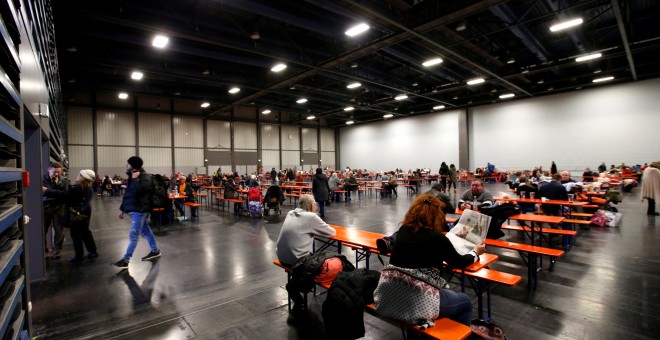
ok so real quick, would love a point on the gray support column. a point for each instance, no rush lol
(318, 143)
(231, 141)
(95, 134)
(172, 142)
(205, 143)
(300, 148)
(337, 151)
(280, 130)
(463, 139)
(259, 149)
(137, 126)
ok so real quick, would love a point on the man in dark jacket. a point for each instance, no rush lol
(320, 190)
(273, 175)
(554, 191)
(137, 203)
(437, 191)
(53, 209)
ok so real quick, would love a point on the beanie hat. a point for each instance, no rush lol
(88, 174)
(135, 162)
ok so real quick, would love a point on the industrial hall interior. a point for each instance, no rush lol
(329, 169)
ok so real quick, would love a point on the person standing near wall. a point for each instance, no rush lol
(444, 173)
(651, 187)
(321, 190)
(137, 203)
(553, 168)
(54, 209)
(452, 178)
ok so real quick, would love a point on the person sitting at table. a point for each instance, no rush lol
(333, 184)
(484, 197)
(566, 177)
(536, 177)
(350, 184)
(420, 244)
(602, 167)
(527, 188)
(553, 190)
(438, 192)
(106, 186)
(185, 189)
(273, 198)
(651, 187)
(297, 237)
(587, 175)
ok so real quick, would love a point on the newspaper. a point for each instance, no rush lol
(470, 230)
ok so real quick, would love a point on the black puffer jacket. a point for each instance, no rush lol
(320, 187)
(137, 197)
(308, 267)
(343, 309)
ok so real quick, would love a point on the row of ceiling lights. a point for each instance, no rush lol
(161, 41)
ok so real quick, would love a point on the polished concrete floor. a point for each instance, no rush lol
(216, 280)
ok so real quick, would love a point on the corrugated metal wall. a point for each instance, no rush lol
(188, 157)
(81, 156)
(270, 138)
(270, 157)
(290, 139)
(328, 159)
(310, 140)
(327, 140)
(155, 130)
(245, 136)
(188, 132)
(79, 127)
(115, 128)
(160, 157)
(290, 159)
(112, 159)
(218, 134)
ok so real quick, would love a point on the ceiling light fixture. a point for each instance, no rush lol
(389, 115)
(461, 27)
(160, 41)
(511, 61)
(354, 65)
(278, 67)
(206, 72)
(301, 101)
(566, 24)
(357, 29)
(350, 122)
(234, 90)
(255, 35)
(598, 80)
(401, 97)
(508, 95)
(353, 85)
(266, 111)
(137, 75)
(310, 117)
(431, 62)
(475, 81)
(588, 57)
(597, 71)
(349, 108)
(205, 105)
(123, 95)
(439, 107)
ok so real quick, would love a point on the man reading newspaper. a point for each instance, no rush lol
(469, 231)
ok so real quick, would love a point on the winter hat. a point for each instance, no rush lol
(135, 162)
(88, 174)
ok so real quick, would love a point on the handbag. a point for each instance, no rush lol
(78, 213)
(409, 295)
(486, 330)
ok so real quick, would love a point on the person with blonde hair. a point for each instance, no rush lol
(420, 243)
(77, 200)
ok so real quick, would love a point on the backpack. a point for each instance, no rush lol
(159, 198)
(254, 194)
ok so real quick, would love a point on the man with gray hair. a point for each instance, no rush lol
(299, 229)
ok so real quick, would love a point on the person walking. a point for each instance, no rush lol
(137, 203)
(553, 168)
(77, 200)
(321, 190)
(444, 173)
(452, 178)
(54, 209)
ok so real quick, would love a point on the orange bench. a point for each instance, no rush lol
(444, 328)
(567, 234)
(193, 205)
(231, 200)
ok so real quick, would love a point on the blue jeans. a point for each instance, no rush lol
(456, 306)
(321, 208)
(139, 225)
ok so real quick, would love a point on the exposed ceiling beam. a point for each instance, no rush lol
(624, 37)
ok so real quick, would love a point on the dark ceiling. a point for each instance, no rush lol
(508, 43)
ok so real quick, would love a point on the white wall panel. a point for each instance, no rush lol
(270, 138)
(218, 134)
(115, 128)
(188, 132)
(290, 138)
(270, 157)
(155, 130)
(290, 158)
(614, 124)
(188, 157)
(407, 143)
(112, 159)
(328, 159)
(81, 156)
(80, 128)
(156, 157)
(327, 140)
(245, 136)
(310, 140)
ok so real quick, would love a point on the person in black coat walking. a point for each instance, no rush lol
(320, 190)
(78, 198)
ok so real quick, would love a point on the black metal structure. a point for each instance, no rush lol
(216, 45)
